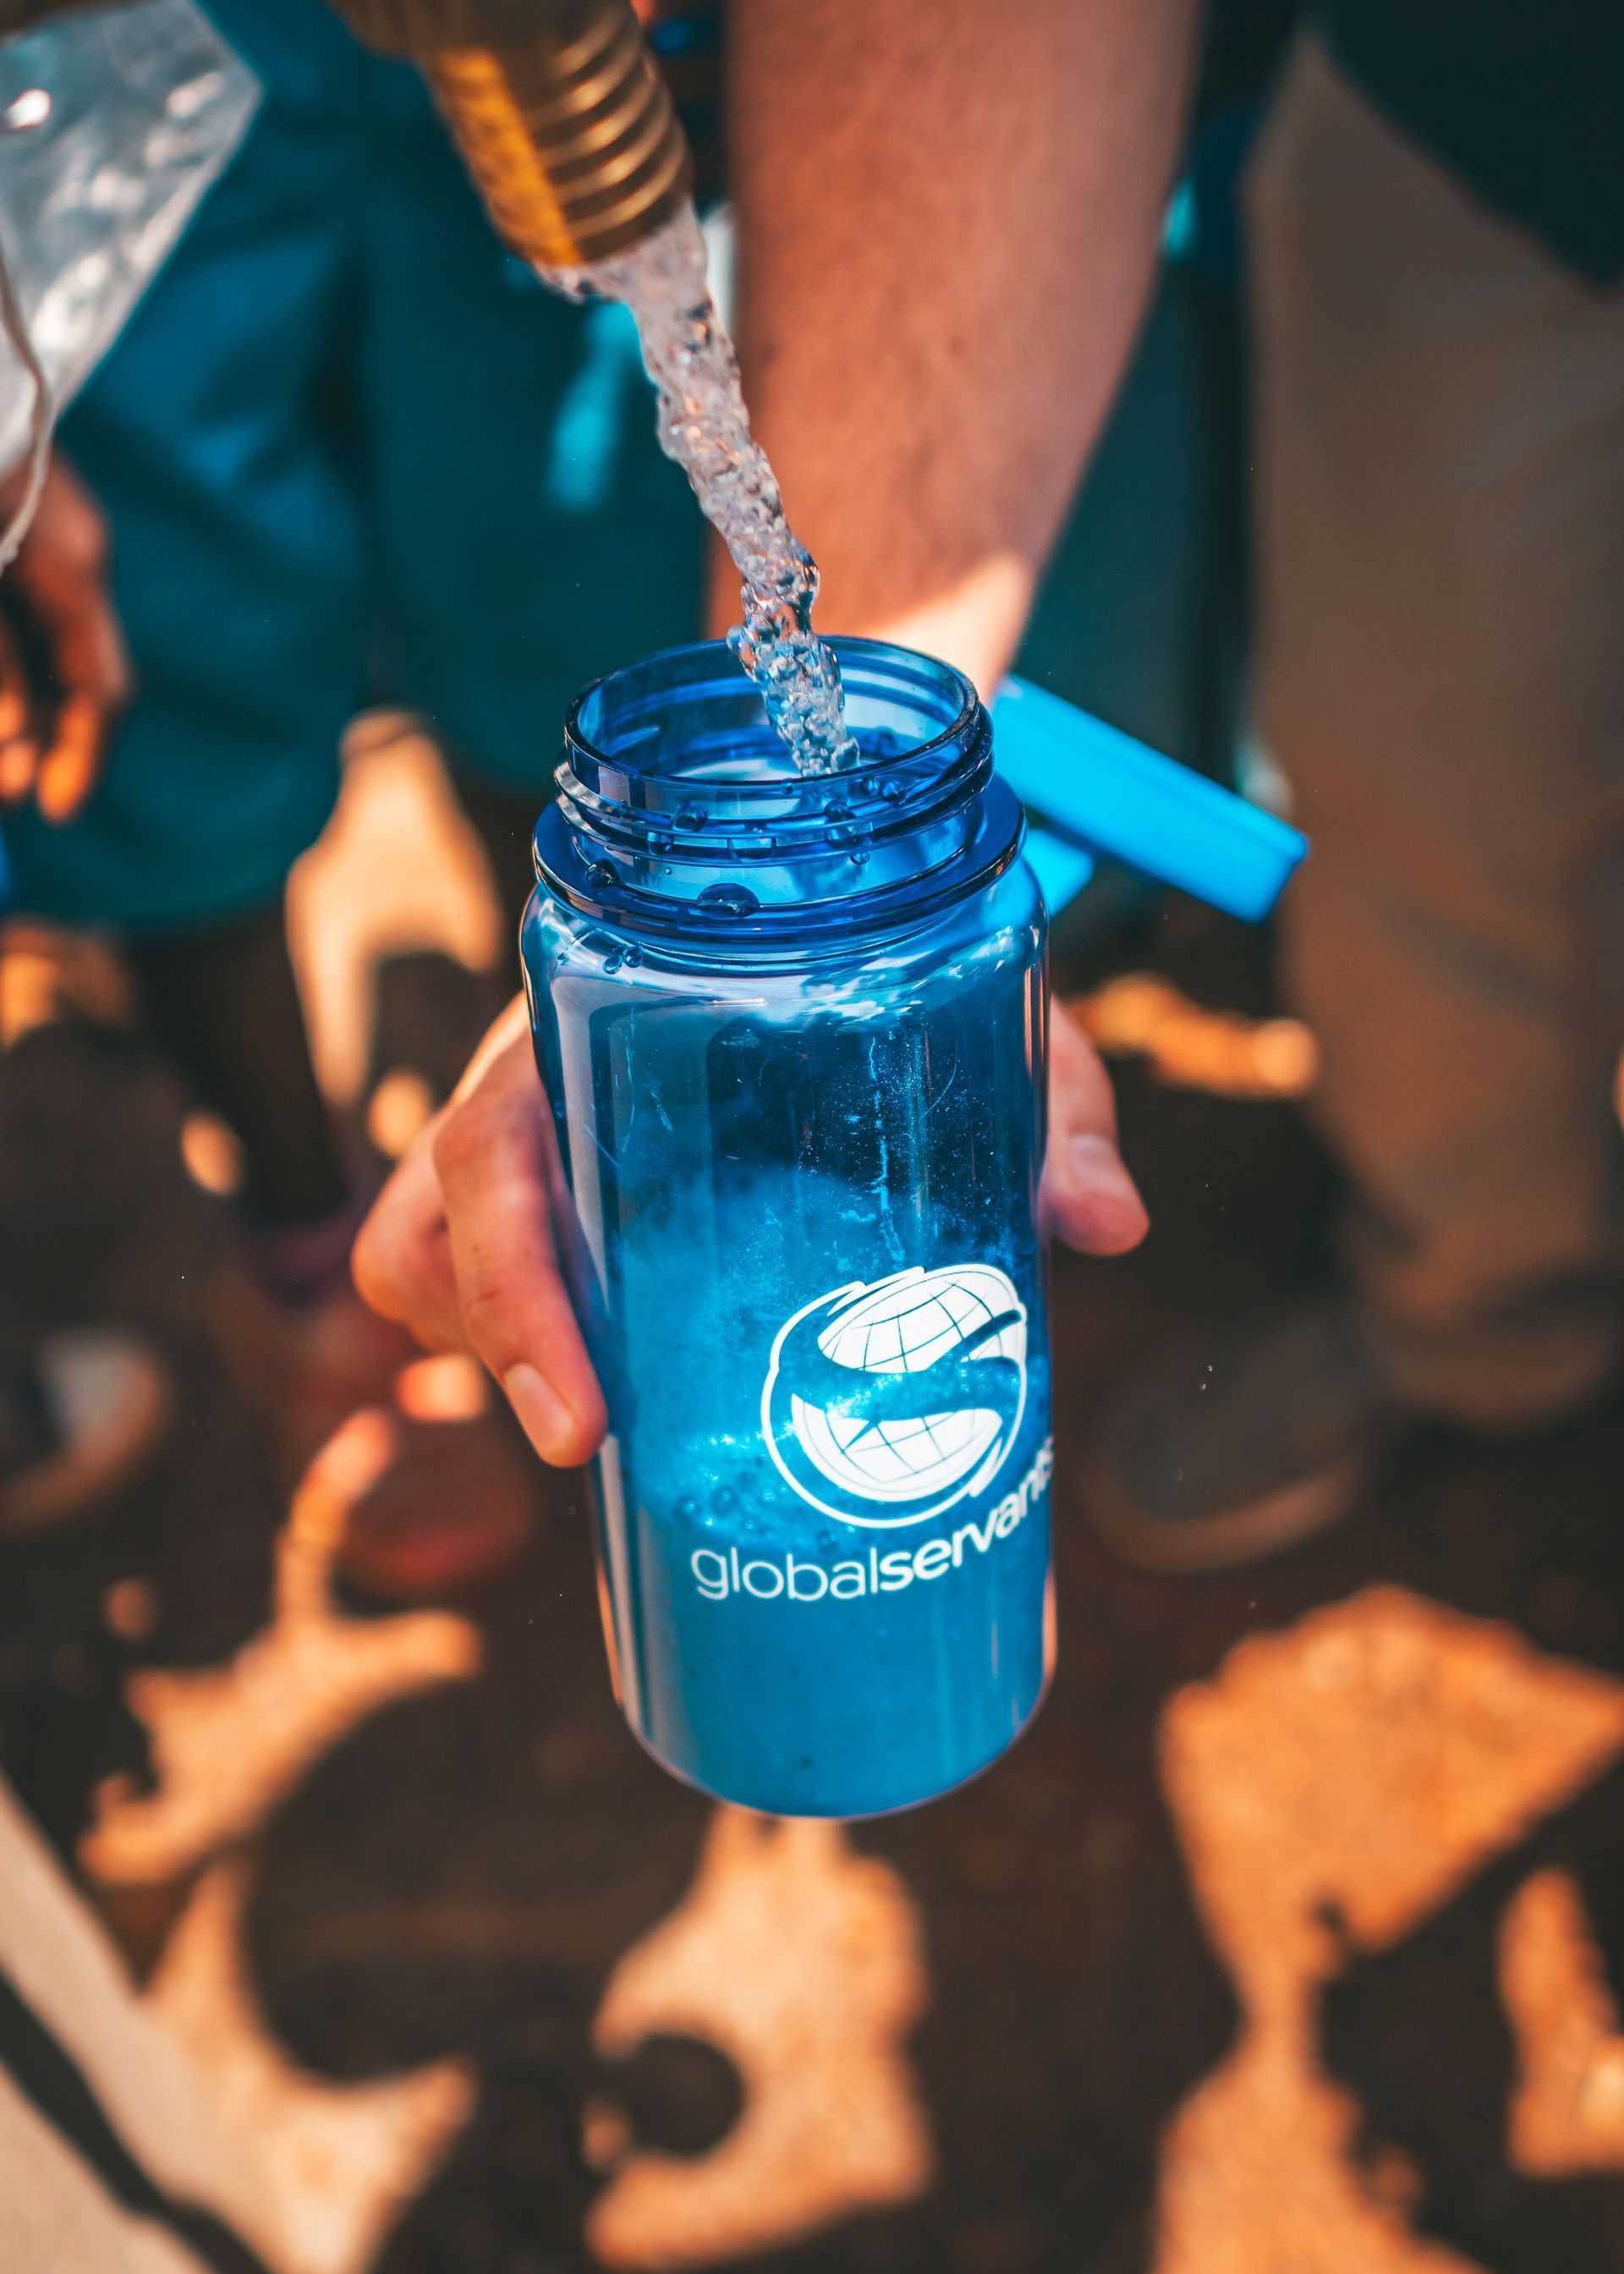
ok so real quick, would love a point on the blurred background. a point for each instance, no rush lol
(342, 1924)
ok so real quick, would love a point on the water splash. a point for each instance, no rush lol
(705, 427)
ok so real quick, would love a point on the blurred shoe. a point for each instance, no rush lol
(79, 1418)
(1250, 1437)
(454, 1507)
(299, 1343)
(426, 1497)
(454, 1504)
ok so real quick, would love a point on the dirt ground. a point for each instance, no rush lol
(1286, 1943)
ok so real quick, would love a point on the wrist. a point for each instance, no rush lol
(975, 625)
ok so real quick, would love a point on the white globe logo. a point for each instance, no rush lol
(903, 1395)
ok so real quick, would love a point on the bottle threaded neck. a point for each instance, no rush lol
(679, 811)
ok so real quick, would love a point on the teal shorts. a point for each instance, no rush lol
(351, 450)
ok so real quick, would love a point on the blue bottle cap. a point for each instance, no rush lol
(1091, 790)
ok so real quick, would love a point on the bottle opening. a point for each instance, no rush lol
(679, 809)
(692, 713)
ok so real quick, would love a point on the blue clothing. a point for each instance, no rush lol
(350, 449)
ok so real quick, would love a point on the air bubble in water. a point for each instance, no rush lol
(729, 901)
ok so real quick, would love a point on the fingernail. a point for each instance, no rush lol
(545, 1417)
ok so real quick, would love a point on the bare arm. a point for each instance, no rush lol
(948, 215)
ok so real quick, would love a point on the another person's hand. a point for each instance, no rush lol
(459, 1246)
(65, 674)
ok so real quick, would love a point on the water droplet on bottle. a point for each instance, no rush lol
(729, 901)
(600, 875)
(691, 816)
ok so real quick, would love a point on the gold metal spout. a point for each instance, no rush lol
(560, 110)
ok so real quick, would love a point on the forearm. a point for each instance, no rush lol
(948, 223)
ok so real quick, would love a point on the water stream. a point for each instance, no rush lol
(705, 427)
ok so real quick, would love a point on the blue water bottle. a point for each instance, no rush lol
(793, 1029)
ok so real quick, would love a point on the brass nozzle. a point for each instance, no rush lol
(560, 113)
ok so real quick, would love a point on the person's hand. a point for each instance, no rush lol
(65, 674)
(460, 1246)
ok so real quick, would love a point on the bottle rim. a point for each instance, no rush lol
(680, 810)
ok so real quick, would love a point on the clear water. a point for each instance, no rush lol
(772, 1652)
(748, 1156)
(705, 427)
(803, 1252)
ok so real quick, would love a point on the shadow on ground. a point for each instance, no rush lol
(464, 1872)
